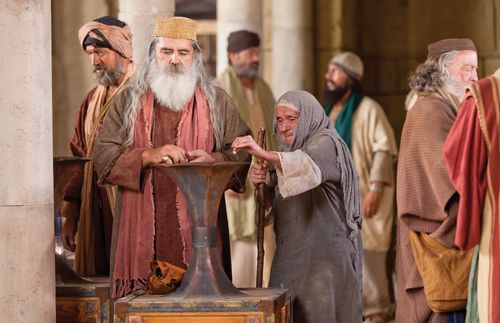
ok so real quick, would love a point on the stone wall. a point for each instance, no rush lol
(391, 37)
(71, 69)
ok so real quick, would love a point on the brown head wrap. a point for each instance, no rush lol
(449, 44)
(241, 40)
(176, 27)
(108, 31)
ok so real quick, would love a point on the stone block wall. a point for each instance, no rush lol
(391, 37)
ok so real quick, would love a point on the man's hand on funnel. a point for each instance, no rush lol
(199, 156)
(169, 154)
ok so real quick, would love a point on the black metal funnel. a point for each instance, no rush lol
(202, 185)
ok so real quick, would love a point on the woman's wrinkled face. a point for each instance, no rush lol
(286, 120)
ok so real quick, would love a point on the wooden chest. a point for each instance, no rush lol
(84, 303)
(262, 305)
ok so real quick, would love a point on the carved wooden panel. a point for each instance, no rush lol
(205, 317)
(78, 310)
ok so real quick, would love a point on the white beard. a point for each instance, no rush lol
(173, 86)
(455, 87)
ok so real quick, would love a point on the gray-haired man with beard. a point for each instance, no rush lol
(427, 200)
(255, 103)
(171, 113)
(108, 43)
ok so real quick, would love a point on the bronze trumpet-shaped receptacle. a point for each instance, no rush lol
(202, 185)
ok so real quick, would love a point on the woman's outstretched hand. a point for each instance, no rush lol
(248, 145)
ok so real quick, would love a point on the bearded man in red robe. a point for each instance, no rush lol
(172, 113)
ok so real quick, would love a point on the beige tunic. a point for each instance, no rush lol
(374, 151)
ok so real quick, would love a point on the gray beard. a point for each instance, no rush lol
(455, 87)
(245, 72)
(173, 85)
(109, 78)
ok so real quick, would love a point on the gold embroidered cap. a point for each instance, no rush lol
(176, 27)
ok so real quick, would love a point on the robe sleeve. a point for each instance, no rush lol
(298, 173)
(127, 171)
(424, 189)
(382, 168)
(78, 148)
(232, 126)
(115, 163)
(307, 168)
(466, 157)
(383, 144)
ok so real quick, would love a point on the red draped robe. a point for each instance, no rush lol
(151, 221)
(472, 152)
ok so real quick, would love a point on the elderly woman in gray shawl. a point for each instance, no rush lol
(316, 207)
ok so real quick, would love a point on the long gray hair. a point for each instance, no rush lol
(138, 87)
(433, 73)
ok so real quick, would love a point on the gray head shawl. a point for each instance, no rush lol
(314, 122)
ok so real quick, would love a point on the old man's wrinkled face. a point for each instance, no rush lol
(176, 52)
(462, 73)
(287, 120)
(246, 62)
(109, 66)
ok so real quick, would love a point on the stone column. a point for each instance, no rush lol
(72, 72)
(27, 273)
(234, 15)
(292, 46)
(141, 17)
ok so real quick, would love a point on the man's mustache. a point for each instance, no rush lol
(100, 67)
(332, 83)
(174, 69)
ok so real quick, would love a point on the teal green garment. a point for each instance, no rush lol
(472, 310)
(343, 124)
(328, 108)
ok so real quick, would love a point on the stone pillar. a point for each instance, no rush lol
(292, 46)
(141, 17)
(72, 72)
(27, 273)
(267, 32)
(234, 15)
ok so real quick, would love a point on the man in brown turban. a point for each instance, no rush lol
(426, 199)
(173, 114)
(255, 103)
(88, 208)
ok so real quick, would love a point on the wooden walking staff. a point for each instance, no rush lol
(260, 211)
